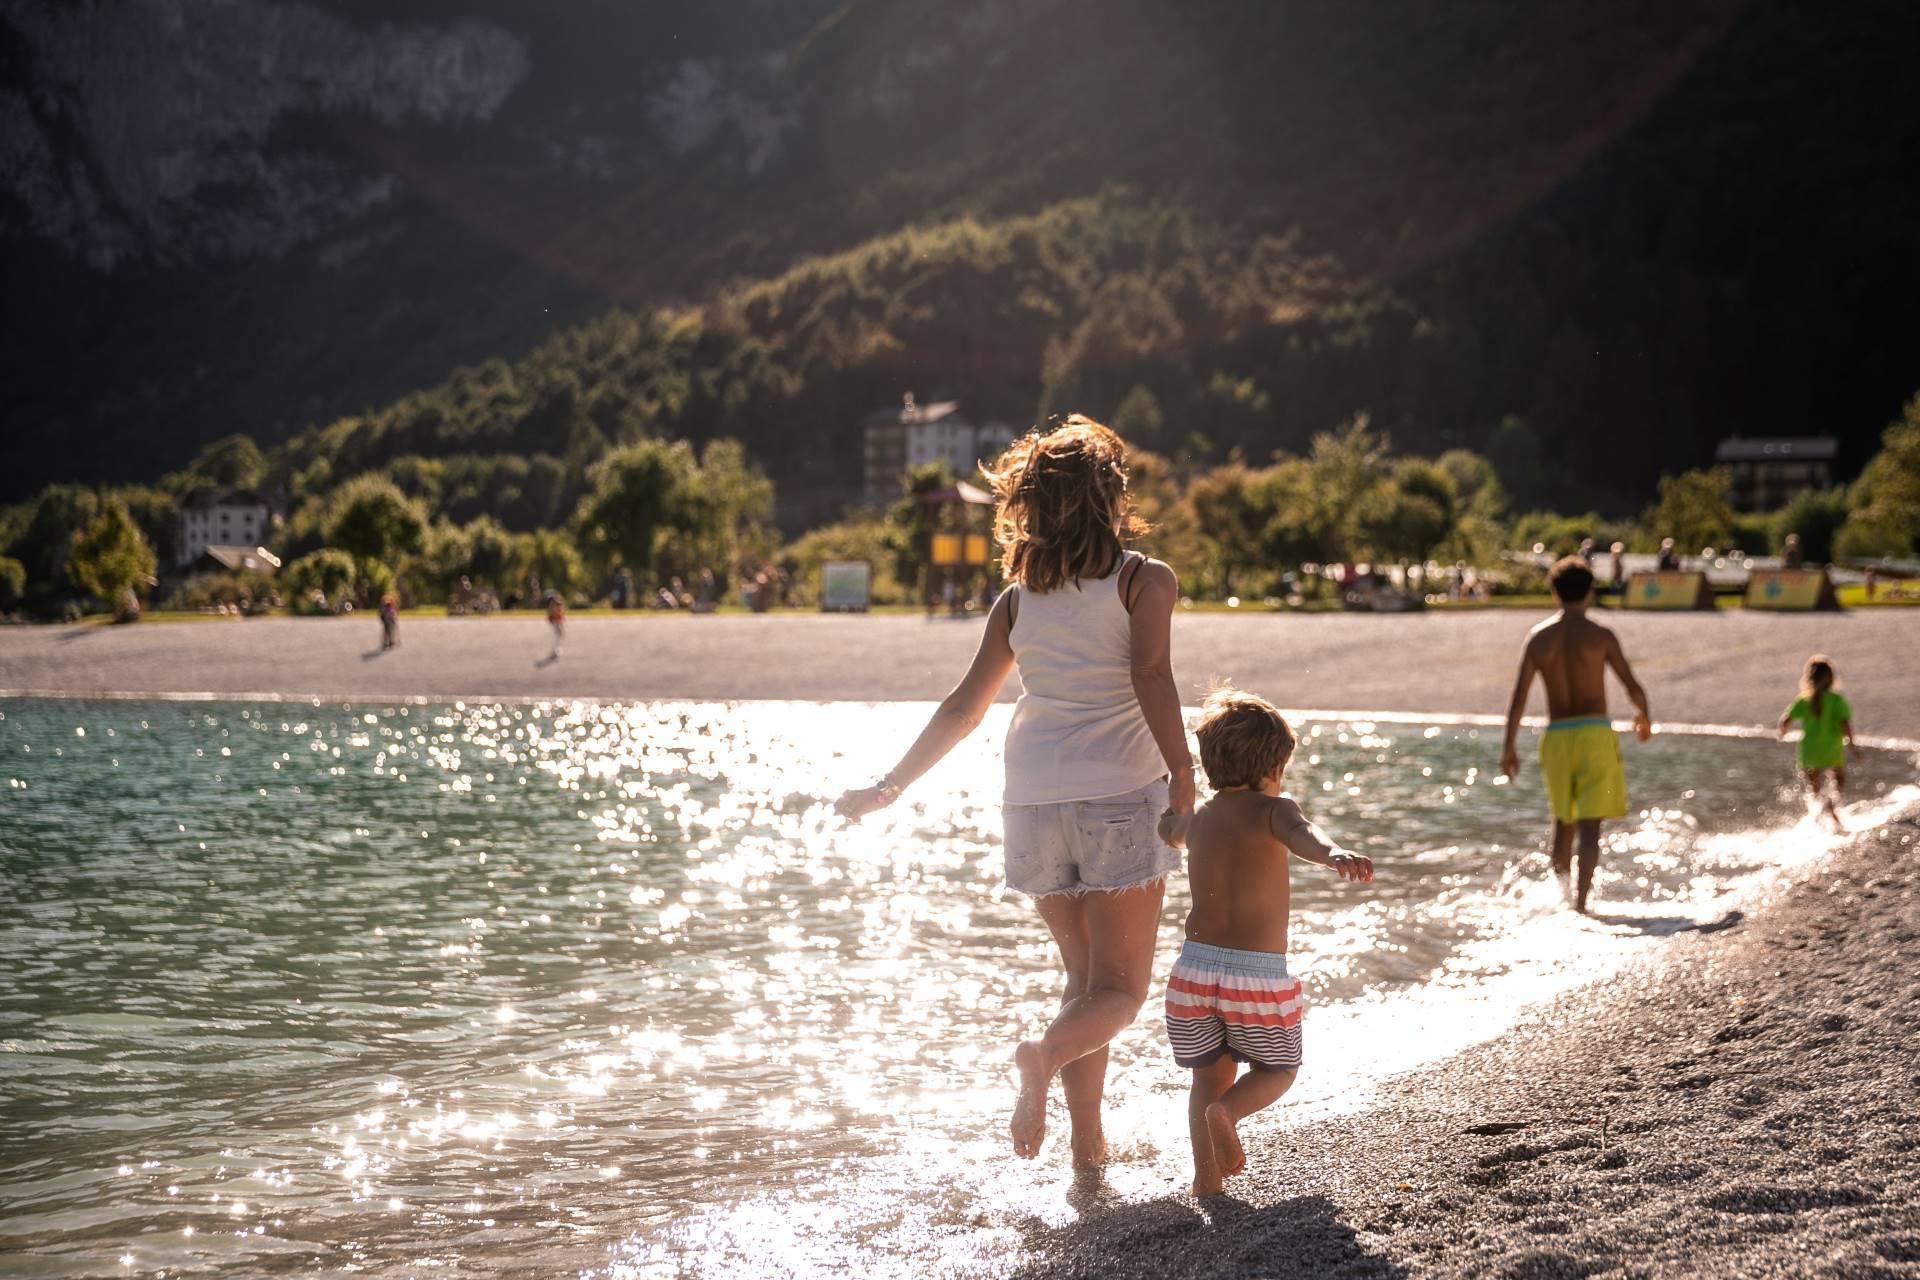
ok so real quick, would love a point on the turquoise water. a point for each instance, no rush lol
(605, 988)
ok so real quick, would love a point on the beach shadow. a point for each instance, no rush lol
(371, 654)
(75, 633)
(1220, 1236)
(547, 661)
(1666, 926)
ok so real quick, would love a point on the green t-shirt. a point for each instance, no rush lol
(1821, 744)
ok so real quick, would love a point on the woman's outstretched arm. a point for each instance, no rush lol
(1155, 591)
(956, 716)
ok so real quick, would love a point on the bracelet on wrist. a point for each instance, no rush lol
(888, 788)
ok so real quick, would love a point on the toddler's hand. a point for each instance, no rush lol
(1173, 829)
(1352, 866)
(861, 801)
(1509, 763)
(1642, 726)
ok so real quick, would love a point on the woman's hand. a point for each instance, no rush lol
(1180, 792)
(861, 801)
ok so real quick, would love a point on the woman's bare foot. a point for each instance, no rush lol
(1089, 1148)
(1028, 1128)
(1228, 1155)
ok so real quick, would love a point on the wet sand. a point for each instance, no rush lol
(1741, 1104)
(1732, 668)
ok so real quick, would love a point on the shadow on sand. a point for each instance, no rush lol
(1221, 1236)
(1666, 926)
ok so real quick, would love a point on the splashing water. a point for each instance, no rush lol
(607, 988)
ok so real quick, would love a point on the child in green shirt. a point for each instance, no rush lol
(1826, 733)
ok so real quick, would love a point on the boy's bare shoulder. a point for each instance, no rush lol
(1284, 812)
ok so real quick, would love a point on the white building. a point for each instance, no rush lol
(916, 434)
(221, 518)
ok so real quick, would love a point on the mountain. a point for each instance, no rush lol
(1639, 226)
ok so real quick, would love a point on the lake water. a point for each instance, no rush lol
(606, 989)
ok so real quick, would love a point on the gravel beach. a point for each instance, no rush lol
(1741, 1104)
(1732, 667)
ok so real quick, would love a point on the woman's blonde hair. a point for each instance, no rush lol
(1063, 507)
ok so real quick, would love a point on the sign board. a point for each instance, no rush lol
(1668, 589)
(946, 550)
(1791, 589)
(846, 586)
(976, 548)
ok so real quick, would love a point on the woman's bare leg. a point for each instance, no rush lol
(1119, 928)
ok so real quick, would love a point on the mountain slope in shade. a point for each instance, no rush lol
(1643, 226)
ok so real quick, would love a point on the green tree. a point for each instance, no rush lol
(1349, 467)
(1138, 418)
(231, 460)
(1693, 510)
(110, 557)
(863, 538)
(328, 569)
(13, 581)
(1514, 451)
(637, 493)
(549, 555)
(1291, 528)
(1230, 521)
(370, 519)
(724, 512)
(1816, 516)
(158, 516)
(1413, 513)
(59, 513)
(1885, 500)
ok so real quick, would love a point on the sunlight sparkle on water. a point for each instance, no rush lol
(610, 982)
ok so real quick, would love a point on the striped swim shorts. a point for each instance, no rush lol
(1241, 1003)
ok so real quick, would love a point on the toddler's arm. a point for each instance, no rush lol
(1291, 828)
(1846, 731)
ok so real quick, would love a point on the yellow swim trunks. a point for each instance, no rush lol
(1580, 761)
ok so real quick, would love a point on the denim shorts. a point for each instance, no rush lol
(1083, 846)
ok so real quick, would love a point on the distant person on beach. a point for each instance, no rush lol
(1617, 572)
(1579, 753)
(1668, 559)
(1095, 752)
(1791, 557)
(389, 622)
(1826, 734)
(557, 619)
(1230, 998)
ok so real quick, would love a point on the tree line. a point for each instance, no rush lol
(663, 509)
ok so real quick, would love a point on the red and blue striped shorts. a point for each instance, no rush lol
(1241, 1003)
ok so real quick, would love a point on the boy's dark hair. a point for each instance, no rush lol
(1243, 738)
(1571, 579)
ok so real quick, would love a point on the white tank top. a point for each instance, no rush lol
(1078, 732)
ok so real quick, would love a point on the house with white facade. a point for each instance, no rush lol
(898, 439)
(216, 517)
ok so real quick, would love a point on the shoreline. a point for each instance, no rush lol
(1729, 669)
(1737, 1103)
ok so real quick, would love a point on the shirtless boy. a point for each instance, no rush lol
(1230, 998)
(1579, 754)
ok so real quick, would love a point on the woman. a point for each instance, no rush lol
(1096, 750)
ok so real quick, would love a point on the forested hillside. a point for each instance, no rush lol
(1637, 227)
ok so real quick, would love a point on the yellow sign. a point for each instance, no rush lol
(1790, 589)
(1668, 589)
(976, 548)
(946, 549)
